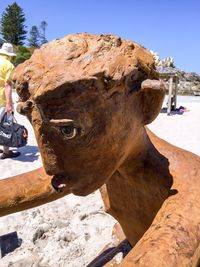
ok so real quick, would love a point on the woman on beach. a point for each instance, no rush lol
(6, 104)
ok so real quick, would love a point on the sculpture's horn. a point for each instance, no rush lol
(26, 191)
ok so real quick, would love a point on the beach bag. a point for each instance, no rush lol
(12, 134)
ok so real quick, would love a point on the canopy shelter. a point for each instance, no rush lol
(173, 79)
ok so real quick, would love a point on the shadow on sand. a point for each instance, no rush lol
(177, 111)
(28, 153)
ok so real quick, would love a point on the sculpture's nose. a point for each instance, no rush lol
(51, 167)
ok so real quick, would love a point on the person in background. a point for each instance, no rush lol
(6, 104)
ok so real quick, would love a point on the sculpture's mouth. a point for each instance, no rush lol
(60, 183)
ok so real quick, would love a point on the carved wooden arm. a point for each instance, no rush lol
(173, 239)
(26, 191)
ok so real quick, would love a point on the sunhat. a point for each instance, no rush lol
(7, 49)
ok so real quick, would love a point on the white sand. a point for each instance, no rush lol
(181, 130)
(71, 231)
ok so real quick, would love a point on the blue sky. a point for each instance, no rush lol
(170, 27)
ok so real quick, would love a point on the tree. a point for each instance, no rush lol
(33, 41)
(23, 53)
(12, 26)
(43, 26)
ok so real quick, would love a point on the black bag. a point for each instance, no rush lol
(12, 134)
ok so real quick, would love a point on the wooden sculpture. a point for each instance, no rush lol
(88, 98)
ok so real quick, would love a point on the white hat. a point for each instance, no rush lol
(7, 49)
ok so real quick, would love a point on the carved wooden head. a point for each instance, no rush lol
(87, 97)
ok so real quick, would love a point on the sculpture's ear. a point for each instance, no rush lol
(151, 98)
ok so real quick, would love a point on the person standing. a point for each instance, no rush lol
(6, 103)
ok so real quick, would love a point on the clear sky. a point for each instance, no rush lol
(170, 27)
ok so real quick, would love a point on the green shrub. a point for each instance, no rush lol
(23, 53)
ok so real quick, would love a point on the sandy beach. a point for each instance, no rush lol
(73, 230)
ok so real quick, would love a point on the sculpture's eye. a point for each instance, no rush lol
(67, 127)
(68, 131)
